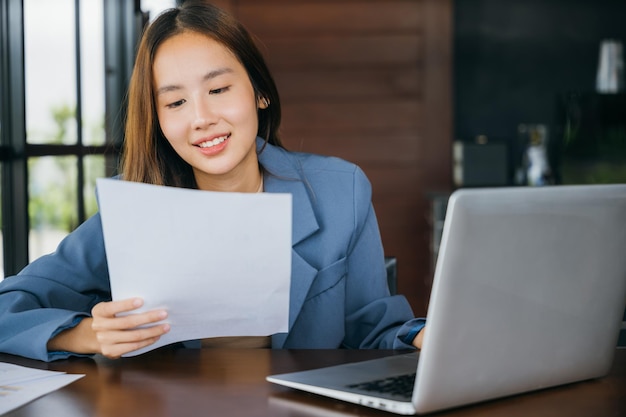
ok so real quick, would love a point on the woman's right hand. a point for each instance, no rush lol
(118, 334)
(111, 334)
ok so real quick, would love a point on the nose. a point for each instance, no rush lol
(204, 113)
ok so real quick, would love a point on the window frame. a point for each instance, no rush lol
(14, 197)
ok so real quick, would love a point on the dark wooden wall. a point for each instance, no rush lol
(369, 81)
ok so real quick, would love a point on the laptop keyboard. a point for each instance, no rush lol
(401, 385)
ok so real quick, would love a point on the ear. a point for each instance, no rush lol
(263, 103)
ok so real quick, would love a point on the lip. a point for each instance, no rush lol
(215, 149)
(210, 138)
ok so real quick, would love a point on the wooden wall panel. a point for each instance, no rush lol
(355, 83)
(371, 51)
(357, 146)
(297, 17)
(357, 115)
(369, 81)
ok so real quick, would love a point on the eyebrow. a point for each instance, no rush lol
(208, 76)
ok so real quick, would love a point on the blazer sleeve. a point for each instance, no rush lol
(374, 319)
(54, 293)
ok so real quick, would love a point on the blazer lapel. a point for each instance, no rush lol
(283, 176)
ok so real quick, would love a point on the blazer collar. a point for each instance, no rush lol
(283, 174)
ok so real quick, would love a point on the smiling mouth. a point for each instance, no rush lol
(213, 142)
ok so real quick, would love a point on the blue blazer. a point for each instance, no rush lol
(339, 295)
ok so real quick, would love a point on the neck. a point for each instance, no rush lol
(250, 183)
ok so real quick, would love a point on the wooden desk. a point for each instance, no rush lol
(229, 383)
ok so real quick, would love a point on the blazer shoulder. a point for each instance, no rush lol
(314, 169)
(315, 162)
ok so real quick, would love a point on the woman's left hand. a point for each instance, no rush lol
(417, 342)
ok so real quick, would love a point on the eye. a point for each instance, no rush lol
(175, 104)
(219, 90)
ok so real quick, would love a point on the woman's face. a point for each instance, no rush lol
(207, 110)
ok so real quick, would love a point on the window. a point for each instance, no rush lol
(12, 174)
(65, 132)
(60, 114)
(61, 110)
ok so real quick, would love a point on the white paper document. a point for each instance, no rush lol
(20, 385)
(219, 263)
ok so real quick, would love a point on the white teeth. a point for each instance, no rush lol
(213, 142)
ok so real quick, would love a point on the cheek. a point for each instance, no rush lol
(239, 107)
(243, 116)
(172, 127)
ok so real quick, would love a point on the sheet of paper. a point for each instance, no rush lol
(20, 385)
(220, 263)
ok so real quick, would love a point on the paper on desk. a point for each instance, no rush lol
(20, 385)
(220, 263)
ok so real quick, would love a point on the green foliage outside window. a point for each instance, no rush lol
(52, 199)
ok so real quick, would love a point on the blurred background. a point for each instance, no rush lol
(425, 95)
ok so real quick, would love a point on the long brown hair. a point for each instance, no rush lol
(147, 155)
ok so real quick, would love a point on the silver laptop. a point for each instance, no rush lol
(529, 293)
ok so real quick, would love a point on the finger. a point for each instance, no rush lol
(128, 322)
(132, 336)
(111, 308)
(116, 343)
(118, 350)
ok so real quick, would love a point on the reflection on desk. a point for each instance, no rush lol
(231, 382)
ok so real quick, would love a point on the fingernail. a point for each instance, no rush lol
(166, 328)
(137, 302)
(163, 314)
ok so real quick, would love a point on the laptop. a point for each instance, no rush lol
(529, 292)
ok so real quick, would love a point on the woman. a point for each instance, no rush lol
(203, 112)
